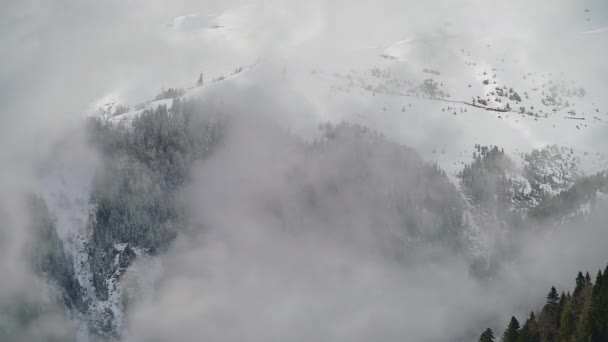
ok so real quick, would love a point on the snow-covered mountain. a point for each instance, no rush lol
(535, 177)
(507, 141)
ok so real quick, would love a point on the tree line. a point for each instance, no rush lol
(580, 316)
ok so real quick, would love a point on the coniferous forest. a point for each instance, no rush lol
(577, 315)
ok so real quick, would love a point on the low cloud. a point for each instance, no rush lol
(238, 273)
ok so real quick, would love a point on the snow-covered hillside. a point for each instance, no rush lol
(444, 93)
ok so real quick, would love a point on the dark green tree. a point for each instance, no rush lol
(487, 336)
(585, 325)
(582, 316)
(550, 316)
(580, 282)
(567, 323)
(561, 306)
(512, 332)
(552, 300)
(529, 331)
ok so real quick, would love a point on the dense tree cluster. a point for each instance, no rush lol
(391, 182)
(584, 192)
(351, 178)
(22, 314)
(578, 316)
(121, 109)
(549, 170)
(134, 193)
(47, 252)
(485, 179)
(546, 187)
(171, 93)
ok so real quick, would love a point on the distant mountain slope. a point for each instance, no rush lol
(348, 180)
(136, 210)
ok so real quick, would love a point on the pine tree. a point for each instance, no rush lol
(585, 326)
(561, 306)
(487, 336)
(200, 80)
(598, 310)
(588, 282)
(552, 306)
(552, 300)
(512, 332)
(582, 316)
(550, 316)
(566, 329)
(529, 331)
(580, 282)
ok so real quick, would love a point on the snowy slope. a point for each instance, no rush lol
(193, 92)
(444, 118)
(379, 81)
(439, 93)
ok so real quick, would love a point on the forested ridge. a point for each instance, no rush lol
(577, 316)
(348, 176)
(346, 179)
